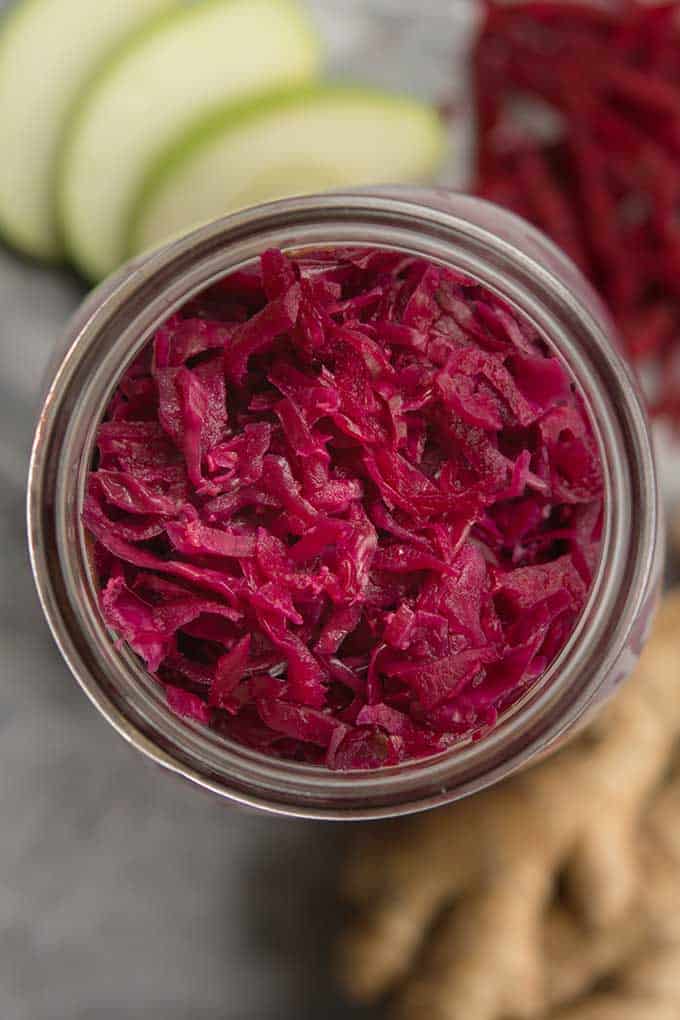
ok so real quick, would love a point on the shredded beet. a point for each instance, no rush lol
(346, 507)
(578, 126)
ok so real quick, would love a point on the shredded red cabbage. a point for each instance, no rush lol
(578, 131)
(346, 507)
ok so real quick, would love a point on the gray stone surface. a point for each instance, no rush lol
(125, 894)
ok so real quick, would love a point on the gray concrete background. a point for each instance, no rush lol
(125, 894)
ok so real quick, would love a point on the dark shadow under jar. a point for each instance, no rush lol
(504, 254)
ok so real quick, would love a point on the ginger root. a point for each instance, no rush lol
(554, 895)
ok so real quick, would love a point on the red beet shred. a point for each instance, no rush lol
(346, 507)
(578, 124)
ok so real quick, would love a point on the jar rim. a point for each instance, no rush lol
(118, 319)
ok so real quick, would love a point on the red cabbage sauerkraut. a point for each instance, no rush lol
(346, 507)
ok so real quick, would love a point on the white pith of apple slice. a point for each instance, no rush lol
(48, 50)
(161, 81)
(294, 142)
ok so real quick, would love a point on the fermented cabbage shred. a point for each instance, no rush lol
(346, 506)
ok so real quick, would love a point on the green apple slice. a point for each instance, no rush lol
(290, 143)
(48, 49)
(159, 82)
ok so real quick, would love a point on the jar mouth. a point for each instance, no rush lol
(119, 319)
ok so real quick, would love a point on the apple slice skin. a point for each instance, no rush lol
(30, 149)
(185, 172)
(289, 25)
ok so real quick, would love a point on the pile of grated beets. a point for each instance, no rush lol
(578, 130)
(346, 507)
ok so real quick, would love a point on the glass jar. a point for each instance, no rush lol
(506, 255)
